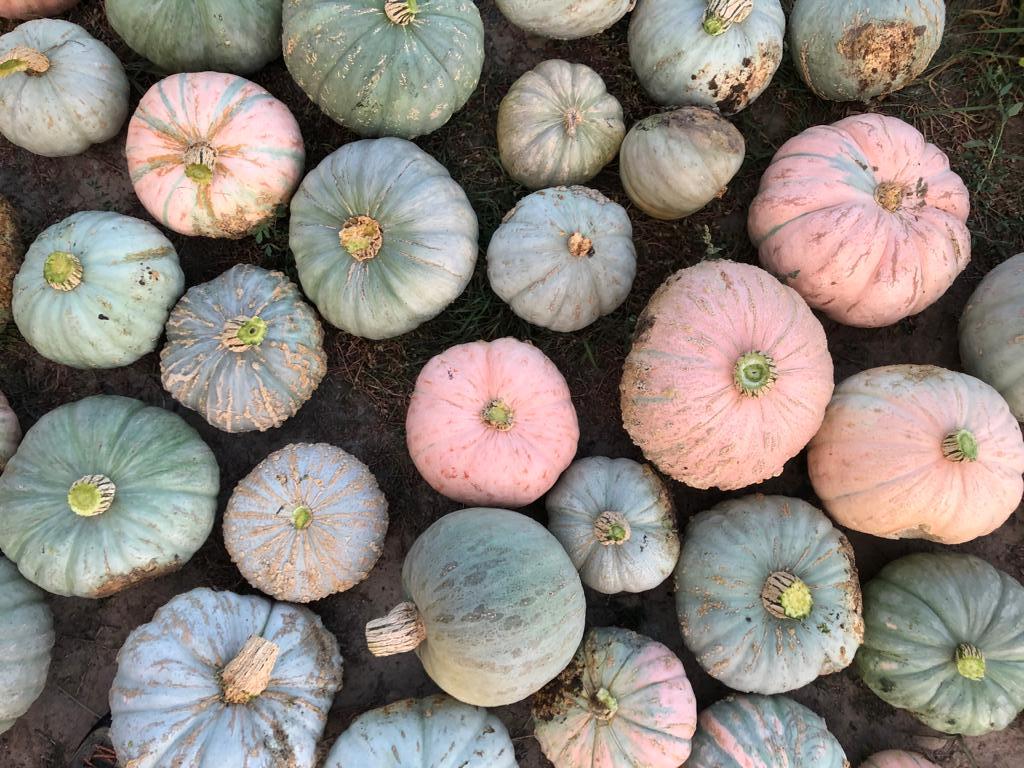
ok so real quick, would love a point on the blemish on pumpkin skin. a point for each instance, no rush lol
(882, 54)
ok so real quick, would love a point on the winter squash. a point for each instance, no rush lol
(894, 758)
(47, 104)
(307, 522)
(488, 631)
(624, 700)
(395, 68)
(132, 485)
(563, 257)
(558, 125)
(26, 638)
(11, 253)
(675, 163)
(616, 520)
(565, 19)
(709, 53)
(943, 640)
(916, 451)
(775, 614)
(34, 9)
(864, 219)
(213, 154)
(244, 350)
(223, 679)
(383, 238)
(860, 49)
(95, 290)
(10, 432)
(728, 377)
(491, 423)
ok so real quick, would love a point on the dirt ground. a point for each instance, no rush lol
(965, 103)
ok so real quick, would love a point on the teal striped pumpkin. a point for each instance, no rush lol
(26, 643)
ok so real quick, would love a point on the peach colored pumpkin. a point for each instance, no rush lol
(213, 154)
(34, 9)
(916, 451)
(864, 218)
(491, 423)
(895, 758)
(728, 377)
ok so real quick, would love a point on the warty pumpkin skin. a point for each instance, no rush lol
(34, 9)
(11, 253)
(26, 643)
(565, 19)
(894, 758)
(10, 432)
(916, 451)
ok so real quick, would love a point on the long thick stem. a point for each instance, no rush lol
(400, 631)
(722, 14)
(248, 674)
(23, 59)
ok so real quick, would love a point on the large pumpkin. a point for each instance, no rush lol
(33, 9)
(11, 253)
(219, 680)
(385, 67)
(728, 377)
(894, 758)
(494, 608)
(916, 451)
(943, 640)
(565, 19)
(491, 423)
(131, 485)
(383, 238)
(26, 643)
(10, 432)
(864, 218)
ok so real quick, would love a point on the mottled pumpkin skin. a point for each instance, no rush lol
(11, 253)
(33, 9)
(917, 612)
(166, 701)
(26, 643)
(565, 19)
(894, 758)
(10, 432)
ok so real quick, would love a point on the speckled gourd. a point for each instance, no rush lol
(34, 9)
(565, 19)
(895, 758)
(10, 432)
(11, 253)
(26, 643)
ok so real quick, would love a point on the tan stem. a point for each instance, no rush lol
(401, 12)
(889, 195)
(612, 528)
(362, 237)
(571, 119)
(23, 59)
(247, 675)
(722, 14)
(400, 631)
(580, 245)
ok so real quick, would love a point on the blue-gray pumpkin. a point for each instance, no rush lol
(26, 643)
(10, 432)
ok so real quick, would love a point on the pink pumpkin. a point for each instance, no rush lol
(728, 377)
(916, 451)
(213, 154)
(491, 423)
(33, 9)
(864, 218)
(895, 758)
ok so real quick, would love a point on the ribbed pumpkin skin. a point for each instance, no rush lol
(166, 495)
(33, 9)
(26, 643)
(656, 712)
(877, 464)
(917, 612)
(166, 700)
(724, 621)
(382, 78)
(10, 432)
(62, 111)
(558, 125)
(342, 539)
(818, 221)
(11, 253)
(565, 19)
(680, 400)
(257, 143)
(429, 237)
(894, 758)
(532, 266)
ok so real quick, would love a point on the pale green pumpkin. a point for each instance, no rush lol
(26, 640)
(565, 19)
(10, 432)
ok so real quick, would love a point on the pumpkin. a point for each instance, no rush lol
(894, 758)
(728, 377)
(61, 90)
(383, 238)
(10, 432)
(434, 732)
(864, 218)
(244, 350)
(26, 639)
(491, 423)
(307, 522)
(563, 257)
(394, 68)
(213, 154)
(943, 640)
(709, 53)
(487, 630)
(616, 520)
(11, 253)
(131, 485)
(565, 19)
(624, 700)
(558, 125)
(778, 612)
(95, 290)
(225, 680)
(33, 9)
(675, 163)
(916, 451)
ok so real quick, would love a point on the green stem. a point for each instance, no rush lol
(970, 662)
(91, 495)
(608, 706)
(498, 414)
(961, 445)
(754, 373)
(787, 597)
(252, 331)
(302, 516)
(62, 271)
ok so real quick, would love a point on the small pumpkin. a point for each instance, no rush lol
(943, 640)
(563, 257)
(11, 253)
(916, 451)
(894, 758)
(307, 522)
(26, 639)
(383, 238)
(728, 377)
(565, 19)
(488, 631)
(226, 680)
(34, 9)
(491, 423)
(616, 520)
(624, 700)
(48, 104)
(10, 432)
(95, 290)
(675, 163)
(558, 125)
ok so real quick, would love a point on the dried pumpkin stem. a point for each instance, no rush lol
(722, 14)
(612, 528)
(302, 517)
(580, 245)
(571, 119)
(361, 237)
(959, 446)
(401, 12)
(247, 675)
(91, 495)
(498, 414)
(23, 59)
(62, 271)
(200, 161)
(785, 596)
(970, 661)
(754, 374)
(604, 705)
(400, 631)
(889, 195)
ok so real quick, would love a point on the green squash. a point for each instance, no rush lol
(26, 643)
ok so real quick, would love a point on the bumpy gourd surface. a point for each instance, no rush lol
(32, 9)
(10, 432)
(26, 640)
(11, 253)
(565, 19)
(894, 758)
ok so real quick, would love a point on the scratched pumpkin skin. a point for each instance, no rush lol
(11, 253)
(10, 432)
(894, 758)
(26, 640)
(33, 9)
(565, 19)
